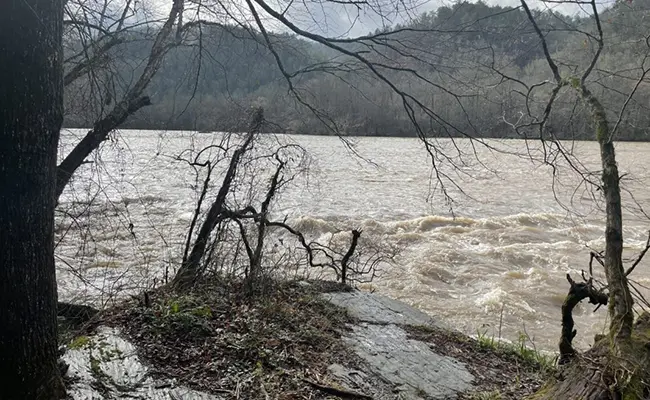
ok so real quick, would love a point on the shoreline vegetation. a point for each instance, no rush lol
(289, 342)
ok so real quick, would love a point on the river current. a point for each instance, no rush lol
(492, 261)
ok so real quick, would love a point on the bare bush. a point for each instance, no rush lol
(235, 229)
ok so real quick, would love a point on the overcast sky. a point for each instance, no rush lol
(334, 19)
(344, 22)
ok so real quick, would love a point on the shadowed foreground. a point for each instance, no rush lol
(299, 339)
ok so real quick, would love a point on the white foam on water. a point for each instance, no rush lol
(508, 247)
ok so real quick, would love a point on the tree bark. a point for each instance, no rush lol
(31, 113)
(577, 292)
(190, 269)
(620, 300)
(617, 367)
(94, 138)
(601, 375)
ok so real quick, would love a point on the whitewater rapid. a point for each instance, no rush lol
(492, 261)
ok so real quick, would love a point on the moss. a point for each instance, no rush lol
(187, 304)
(79, 342)
(95, 368)
(602, 134)
(174, 308)
(574, 82)
(624, 364)
(633, 390)
(109, 354)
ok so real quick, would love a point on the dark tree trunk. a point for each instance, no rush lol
(191, 268)
(31, 113)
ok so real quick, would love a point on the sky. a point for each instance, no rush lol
(334, 19)
(343, 21)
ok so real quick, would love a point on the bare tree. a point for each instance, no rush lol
(190, 269)
(396, 59)
(240, 237)
(102, 36)
(614, 368)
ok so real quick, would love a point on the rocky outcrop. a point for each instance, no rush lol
(376, 309)
(410, 367)
(106, 366)
(386, 350)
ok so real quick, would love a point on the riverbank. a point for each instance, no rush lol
(296, 340)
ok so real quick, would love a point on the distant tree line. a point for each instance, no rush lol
(466, 50)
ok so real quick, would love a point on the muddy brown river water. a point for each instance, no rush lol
(495, 257)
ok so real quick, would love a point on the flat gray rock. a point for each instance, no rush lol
(108, 361)
(377, 309)
(361, 382)
(408, 366)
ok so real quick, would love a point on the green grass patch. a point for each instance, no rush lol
(520, 348)
(79, 342)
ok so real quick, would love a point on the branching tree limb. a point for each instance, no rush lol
(191, 267)
(132, 102)
(620, 302)
(578, 291)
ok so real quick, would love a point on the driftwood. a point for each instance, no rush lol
(343, 393)
(578, 292)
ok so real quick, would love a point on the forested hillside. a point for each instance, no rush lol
(472, 53)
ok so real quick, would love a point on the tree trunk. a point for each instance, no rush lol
(620, 300)
(95, 137)
(600, 374)
(618, 366)
(31, 113)
(191, 267)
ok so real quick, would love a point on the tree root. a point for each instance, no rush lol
(577, 293)
(613, 369)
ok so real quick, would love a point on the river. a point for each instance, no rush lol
(492, 260)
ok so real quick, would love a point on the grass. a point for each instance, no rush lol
(489, 395)
(502, 371)
(519, 348)
(216, 339)
(79, 342)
